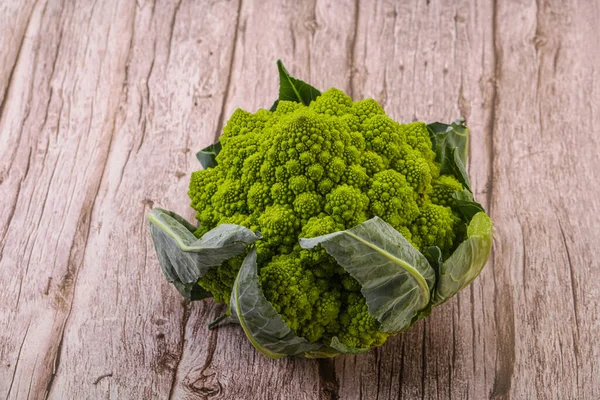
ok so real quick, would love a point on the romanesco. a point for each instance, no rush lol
(306, 171)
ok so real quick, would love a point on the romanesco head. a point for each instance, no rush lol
(306, 171)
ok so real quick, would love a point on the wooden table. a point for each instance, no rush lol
(103, 105)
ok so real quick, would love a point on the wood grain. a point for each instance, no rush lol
(104, 103)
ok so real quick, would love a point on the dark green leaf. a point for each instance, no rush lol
(264, 327)
(396, 279)
(466, 206)
(293, 89)
(454, 135)
(434, 256)
(424, 313)
(208, 155)
(455, 166)
(451, 146)
(184, 258)
(274, 106)
(467, 261)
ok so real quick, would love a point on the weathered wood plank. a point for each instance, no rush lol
(106, 101)
(546, 159)
(178, 62)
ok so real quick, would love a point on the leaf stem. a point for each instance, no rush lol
(214, 324)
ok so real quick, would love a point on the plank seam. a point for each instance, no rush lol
(14, 67)
(353, 48)
(184, 322)
(228, 83)
(173, 21)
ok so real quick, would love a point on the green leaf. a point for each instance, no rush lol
(467, 261)
(454, 135)
(451, 146)
(342, 348)
(263, 326)
(196, 293)
(208, 155)
(434, 256)
(396, 278)
(184, 258)
(466, 206)
(293, 89)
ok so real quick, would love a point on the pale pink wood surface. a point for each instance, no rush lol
(103, 105)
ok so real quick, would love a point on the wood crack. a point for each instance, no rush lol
(423, 359)
(53, 68)
(352, 55)
(56, 363)
(83, 225)
(14, 67)
(125, 86)
(328, 380)
(171, 31)
(11, 213)
(575, 302)
(503, 302)
(101, 377)
(12, 380)
(494, 103)
(401, 372)
(144, 122)
(228, 83)
(184, 322)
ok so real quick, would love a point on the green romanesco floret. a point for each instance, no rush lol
(435, 226)
(365, 109)
(332, 102)
(241, 123)
(323, 224)
(417, 137)
(415, 168)
(347, 205)
(383, 136)
(325, 314)
(203, 186)
(372, 162)
(287, 107)
(358, 328)
(308, 204)
(280, 226)
(306, 171)
(219, 280)
(291, 289)
(443, 188)
(356, 176)
(320, 225)
(230, 198)
(392, 198)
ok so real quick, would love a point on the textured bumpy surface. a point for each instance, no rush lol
(315, 168)
(102, 105)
